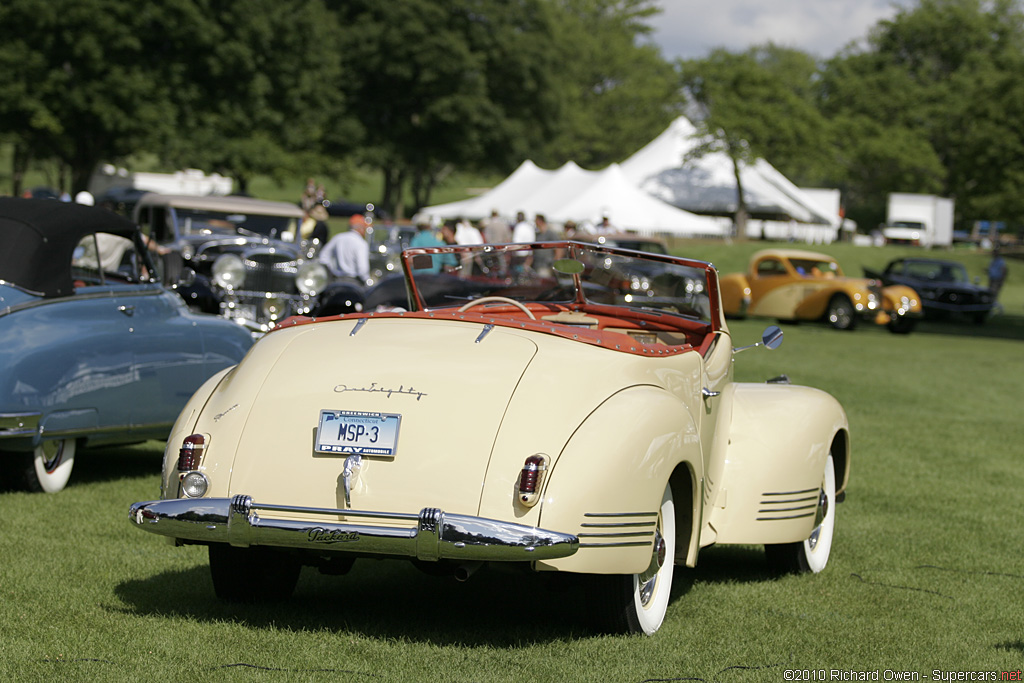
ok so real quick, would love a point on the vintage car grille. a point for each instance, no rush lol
(788, 505)
(270, 273)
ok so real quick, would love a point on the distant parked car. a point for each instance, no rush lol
(944, 287)
(625, 240)
(345, 208)
(386, 243)
(790, 284)
(91, 351)
(242, 254)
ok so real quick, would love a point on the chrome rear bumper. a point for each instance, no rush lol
(432, 534)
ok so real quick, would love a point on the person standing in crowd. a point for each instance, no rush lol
(543, 260)
(314, 224)
(309, 195)
(605, 227)
(465, 233)
(524, 230)
(496, 229)
(996, 272)
(425, 237)
(348, 254)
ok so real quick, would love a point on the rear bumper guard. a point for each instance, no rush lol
(433, 534)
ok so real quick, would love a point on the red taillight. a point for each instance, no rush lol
(191, 452)
(531, 479)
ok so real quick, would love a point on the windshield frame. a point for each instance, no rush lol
(573, 249)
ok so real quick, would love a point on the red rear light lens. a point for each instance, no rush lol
(531, 479)
(191, 452)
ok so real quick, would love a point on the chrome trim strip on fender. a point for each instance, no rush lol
(592, 538)
(436, 535)
(19, 424)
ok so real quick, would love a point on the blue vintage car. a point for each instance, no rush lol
(92, 350)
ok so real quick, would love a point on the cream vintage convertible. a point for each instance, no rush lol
(563, 407)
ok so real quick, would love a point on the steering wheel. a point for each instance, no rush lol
(502, 299)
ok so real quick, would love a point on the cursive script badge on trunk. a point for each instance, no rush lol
(374, 389)
(354, 431)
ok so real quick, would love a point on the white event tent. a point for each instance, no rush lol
(707, 185)
(573, 193)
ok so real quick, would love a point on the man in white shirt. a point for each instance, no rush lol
(524, 230)
(347, 254)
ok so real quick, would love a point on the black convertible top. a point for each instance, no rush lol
(39, 236)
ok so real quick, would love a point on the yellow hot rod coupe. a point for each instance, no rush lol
(791, 284)
(578, 418)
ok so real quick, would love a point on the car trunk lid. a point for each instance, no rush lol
(450, 409)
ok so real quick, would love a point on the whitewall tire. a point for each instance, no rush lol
(638, 603)
(50, 469)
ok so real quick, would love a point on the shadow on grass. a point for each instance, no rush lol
(392, 599)
(111, 463)
(1000, 326)
(732, 564)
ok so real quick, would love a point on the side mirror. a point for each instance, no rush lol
(771, 338)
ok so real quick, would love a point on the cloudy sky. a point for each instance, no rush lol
(692, 28)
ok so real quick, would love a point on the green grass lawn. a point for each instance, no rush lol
(926, 572)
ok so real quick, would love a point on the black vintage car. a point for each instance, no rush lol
(239, 257)
(945, 289)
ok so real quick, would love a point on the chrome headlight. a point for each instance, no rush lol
(229, 271)
(311, 278)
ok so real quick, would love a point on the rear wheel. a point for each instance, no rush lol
(810, 555)
(637, 603)
(252, 574)
(840, 314)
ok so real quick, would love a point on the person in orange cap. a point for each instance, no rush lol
(348, 254)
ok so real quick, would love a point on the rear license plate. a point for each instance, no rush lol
(353, 431)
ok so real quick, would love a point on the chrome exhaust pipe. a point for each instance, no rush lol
(466, 570)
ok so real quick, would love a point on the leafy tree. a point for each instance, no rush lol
(931, 105)
(89, 80)
(442, 84)
(263, 90)
(619, 92)
(755, 104)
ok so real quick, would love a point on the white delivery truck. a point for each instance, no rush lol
(921, 219)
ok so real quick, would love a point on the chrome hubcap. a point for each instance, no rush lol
(649, 579)
(819, 517)
(53, 453)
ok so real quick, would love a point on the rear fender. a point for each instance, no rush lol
(222, 405)
(606, 485)
(768, 465)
